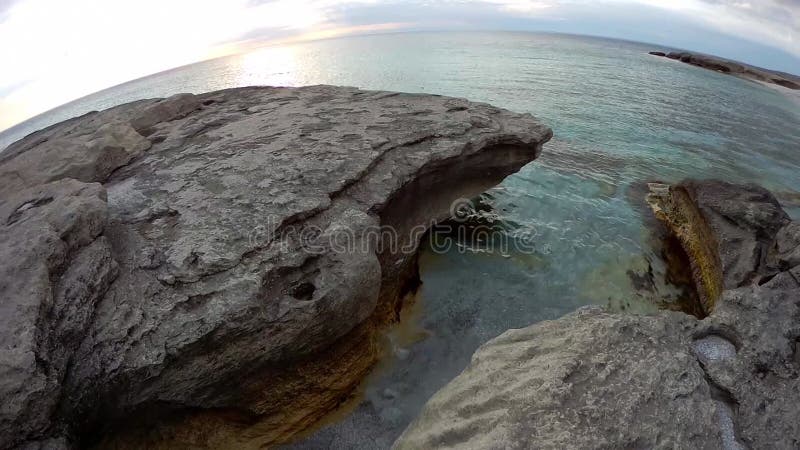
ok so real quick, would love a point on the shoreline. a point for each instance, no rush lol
(791, 94)
(787, 82)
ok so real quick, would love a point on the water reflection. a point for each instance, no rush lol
(270, 66)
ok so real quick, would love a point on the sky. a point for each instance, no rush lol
(55, 51)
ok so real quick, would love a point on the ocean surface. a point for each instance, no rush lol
(621, 118)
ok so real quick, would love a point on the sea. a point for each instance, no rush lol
(621, 118)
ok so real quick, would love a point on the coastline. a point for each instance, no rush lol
(784, 81)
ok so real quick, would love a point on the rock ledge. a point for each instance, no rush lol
(158, 260)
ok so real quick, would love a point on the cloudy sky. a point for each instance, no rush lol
(54, 51)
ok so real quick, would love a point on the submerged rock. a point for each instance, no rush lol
(669, 380)
(171, 266)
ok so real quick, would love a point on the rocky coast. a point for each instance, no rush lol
(170, 273)
(595, 379)
(173, 275)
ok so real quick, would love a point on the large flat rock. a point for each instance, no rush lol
(185, 254)
(595, 380)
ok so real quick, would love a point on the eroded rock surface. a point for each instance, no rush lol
(598, 380)
(174, 257)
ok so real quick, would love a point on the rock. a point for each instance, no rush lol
(669, 380)
(658, 53)
(86, 157)
(745, 221)
(164, 111)
(226, 273)
(674, 206)
(55, 269)
(728, 245)
(788, 246)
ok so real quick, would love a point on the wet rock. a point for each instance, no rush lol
(744, 221)
(599, 380)
(205, 280)
(658, 53)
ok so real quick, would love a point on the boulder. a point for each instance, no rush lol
(658, 54)
(89, 157)
(669, 380)
(190, 266)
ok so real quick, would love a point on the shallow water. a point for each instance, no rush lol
(621, 117)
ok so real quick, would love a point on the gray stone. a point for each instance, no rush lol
(55, 269)
(209, 279)
(788, 245)
(90, 156)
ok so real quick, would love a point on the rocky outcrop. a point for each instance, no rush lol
(199, 270)
(734, 68)
(670, 380)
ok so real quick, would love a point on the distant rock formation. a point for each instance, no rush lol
(595, 380)
(150, 279)
(734, 68)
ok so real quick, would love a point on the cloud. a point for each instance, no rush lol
(60, 50)
(776, 22)
(5, 8)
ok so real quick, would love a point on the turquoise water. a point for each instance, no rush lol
(621, 117)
